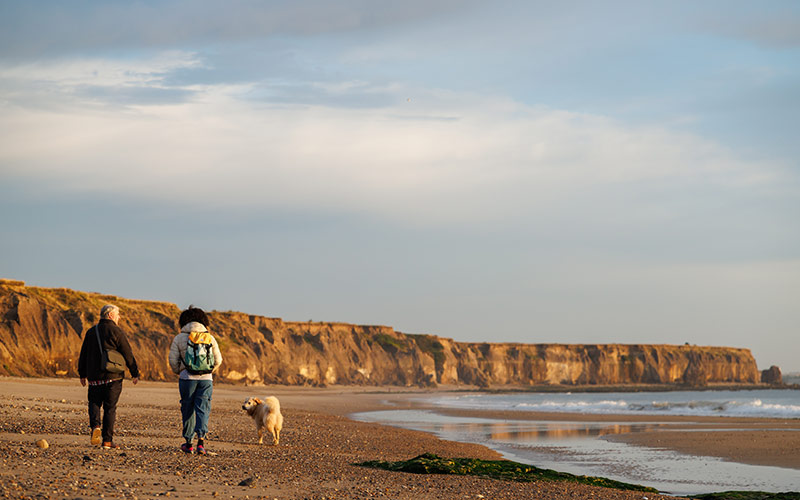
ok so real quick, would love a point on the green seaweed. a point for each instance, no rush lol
(749, 495)
(428, 463)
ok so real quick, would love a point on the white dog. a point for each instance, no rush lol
(267, 414)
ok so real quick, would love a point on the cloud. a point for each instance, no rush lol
(439, 157)
(71, 73)
(49, 28)
(778, 27)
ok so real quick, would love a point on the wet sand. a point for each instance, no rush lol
(314, 460)
(754, 441)
(776, 446)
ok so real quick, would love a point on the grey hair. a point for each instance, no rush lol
(107, 309)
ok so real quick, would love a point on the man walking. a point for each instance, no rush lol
(104, 387)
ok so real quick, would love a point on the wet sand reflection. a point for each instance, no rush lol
(559, 432)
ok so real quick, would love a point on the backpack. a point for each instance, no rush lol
(199, 357)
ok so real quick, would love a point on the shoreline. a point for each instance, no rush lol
(766, 441)
(638, 388)
(318, 447)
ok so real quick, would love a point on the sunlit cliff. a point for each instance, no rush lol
(41, 331)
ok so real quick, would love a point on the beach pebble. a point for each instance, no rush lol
(43, 444)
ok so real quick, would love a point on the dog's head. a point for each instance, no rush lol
(251, 403)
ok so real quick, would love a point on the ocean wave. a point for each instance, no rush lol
(727, 405)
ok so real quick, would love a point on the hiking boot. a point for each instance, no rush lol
(187, 448)
(201, 449)
(97, 436)
(110, 446)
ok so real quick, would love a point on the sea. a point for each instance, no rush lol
(588, 448)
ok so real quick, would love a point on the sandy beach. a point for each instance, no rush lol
(315, 458)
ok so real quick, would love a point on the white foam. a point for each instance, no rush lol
(762, 404)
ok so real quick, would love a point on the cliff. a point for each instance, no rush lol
(41, 332)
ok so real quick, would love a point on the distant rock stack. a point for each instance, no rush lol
(772, 376)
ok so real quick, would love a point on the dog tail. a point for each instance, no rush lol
(274, 404)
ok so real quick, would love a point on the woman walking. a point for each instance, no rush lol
(194, 355)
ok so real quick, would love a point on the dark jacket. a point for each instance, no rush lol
(112, 337)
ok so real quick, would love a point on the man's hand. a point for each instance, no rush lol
(83, 382)
(135, 380)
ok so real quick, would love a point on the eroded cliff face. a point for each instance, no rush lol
(41, 331)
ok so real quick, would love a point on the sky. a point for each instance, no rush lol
(508, 171)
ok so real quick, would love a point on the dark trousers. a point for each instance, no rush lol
(104, 396)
